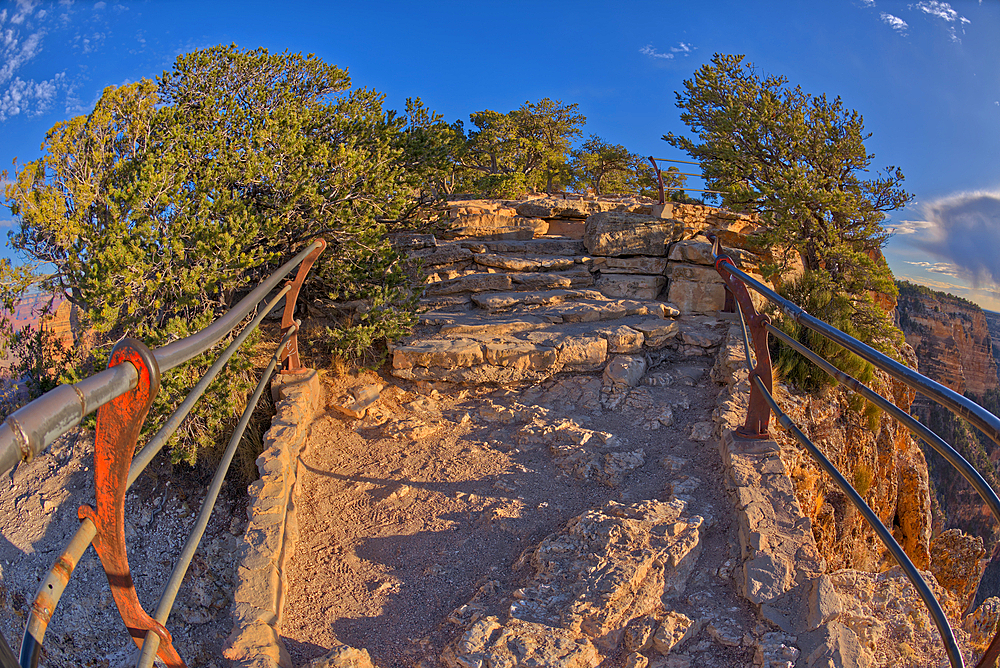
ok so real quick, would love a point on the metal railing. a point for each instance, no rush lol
(659, 177)
(762, 404)
(122, 395)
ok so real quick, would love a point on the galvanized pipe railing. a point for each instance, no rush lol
(659, 177)
(32, 428)
(122, 394)
(737, 282)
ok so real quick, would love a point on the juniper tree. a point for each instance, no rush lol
(611, 168)
(798, 161)
(161, 206)
(523, 149)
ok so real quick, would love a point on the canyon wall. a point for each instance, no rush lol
(951, 337)
(993, 321)
(954, 346)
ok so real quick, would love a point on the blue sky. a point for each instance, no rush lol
(925, 75)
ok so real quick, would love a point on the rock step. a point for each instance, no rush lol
(503, 282)
(472, 350)
(542, 246)
(522, 319)
(454, 255)
(530, 262)
(497, 301)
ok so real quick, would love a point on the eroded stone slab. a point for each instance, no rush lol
(443, 353)
(616, 233)
(469, 283)
(631, 265)
(520, 355)
(631, 286)
(696, 289)
(523, 263)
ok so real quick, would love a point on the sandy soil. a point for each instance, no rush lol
(406, 514)
(38, 517)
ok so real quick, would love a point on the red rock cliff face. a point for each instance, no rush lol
(951, 338)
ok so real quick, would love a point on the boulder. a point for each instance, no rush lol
(956, 562)
(675, 628)
(550, 207)
(493, 226)
(625, 370)
(356, 402)
(447, 354)
(624, 339)
(343, 656)
(616, 233)
(695, 288)
(631, 286)
(583, 353)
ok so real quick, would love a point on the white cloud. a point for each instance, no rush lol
(942, 10)
(894, 22)
(24, 10)
(100, 5)
(965, 232)
(29, 97)
(945, 12)
(648, 50)
(16, 52)
(946, 268)
(682, 47)
(910, 226)
(869, 3)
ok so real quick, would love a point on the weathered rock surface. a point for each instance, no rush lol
(951, 338)
(492, 226)
(981, 625)
(957, 563)
(608, 567)
(631, 286)
(631, 265)
(551, 207)
(696, 289)
(615, 233)
(885, 463)
(343, 656)
(357, 400)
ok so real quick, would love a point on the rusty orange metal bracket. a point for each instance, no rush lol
(290, 355)
(758, 411)
(118, 425)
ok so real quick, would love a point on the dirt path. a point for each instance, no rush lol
(407, 514)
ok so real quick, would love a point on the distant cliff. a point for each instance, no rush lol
(993, 320)
(951, 337)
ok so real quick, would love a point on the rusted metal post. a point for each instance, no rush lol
(758, 412)
(659, 179)
(290, 357)
(118, 424)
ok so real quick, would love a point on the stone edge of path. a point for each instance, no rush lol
(272, 530)
(781, 572)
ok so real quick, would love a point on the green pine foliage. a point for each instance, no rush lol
(173, 198)
(611, 169)
(799, 162)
